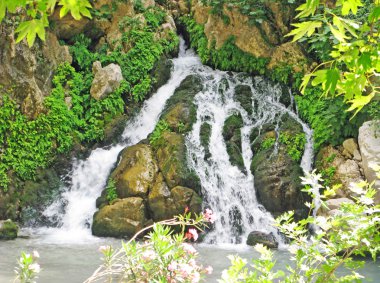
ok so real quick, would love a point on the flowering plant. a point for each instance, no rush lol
(162, 256)
(352, 230)
(28, 268)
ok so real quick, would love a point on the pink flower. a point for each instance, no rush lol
(173, 266)
(209, 270)
(195, 277)
(209, 215)
(35, 267)
(192, 234)
(148, 255)
(185, 270)
(189, 248)
(36, 254)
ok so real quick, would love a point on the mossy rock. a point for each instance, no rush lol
(186, 198)
(160, 202)
(277, 182)
(135, 172)
(161, 72)
(243, 95)
(8, 230)
(123, 218)
(171, 156)
(205, 135)
(180, 108)
(232, 137)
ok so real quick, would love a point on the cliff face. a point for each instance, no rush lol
(26, 73)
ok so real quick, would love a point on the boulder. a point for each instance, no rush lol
(333, 206)
(184, 197)
(369, 144)
(257, 237)
(276, 175)
(123, 218)
(106, 80)
(171, 157)
(160, 201)
(348, 172)
(136, 171)
(8, 230)
(232, 137)
(350, 145)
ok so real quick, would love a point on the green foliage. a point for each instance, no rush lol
(295, 144)
(155, 138)
(111, 193)
(228, 57)
(327, 117)
(339, 238)
(30, 144)
(27, 268)
(36, 14)
(352, 30)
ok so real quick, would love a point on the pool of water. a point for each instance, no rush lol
(74, 262)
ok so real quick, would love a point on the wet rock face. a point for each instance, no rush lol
(277, 176)
(26, 73)
(8, 230)
(136, 171)
(153, 182)
(265, 239)
(106, 80)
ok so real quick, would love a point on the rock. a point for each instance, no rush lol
(369, 144)
(26, 73)
(171, 157)
(185, 197)
(148, 3)
(348, 172)
(136, 171)
(257, 237)
(67, 27)
(289, 53)
(8, 230)
(357, 156)
(277, 176)
(106, 80)
(243, 94)
(333, 206)
(232, 137)
(160, 202)
(121, 219)
(350, 145)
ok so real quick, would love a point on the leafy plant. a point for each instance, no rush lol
(36, 15)
(111, 193)
(162, 257)
(155, 138)
(352, 231)
(351, 71)
(27, 268)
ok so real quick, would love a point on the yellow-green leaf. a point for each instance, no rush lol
(359, 102)
(30, 29)
(304, 28)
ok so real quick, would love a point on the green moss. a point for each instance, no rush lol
(232, 136)
(8, 230)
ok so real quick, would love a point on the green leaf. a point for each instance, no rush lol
(327, 78)
(30, 29)
(349, 5)
(77, 8)
(359, 102)
(374, 15)
(340, 36)
(305, 28)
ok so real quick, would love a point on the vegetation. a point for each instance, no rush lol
(35, 15)
(162, 257)
(29, 144)
(351, 28)
(155, 139)
(339, 237)
(295, 144)
(228, 57)
(111, 193)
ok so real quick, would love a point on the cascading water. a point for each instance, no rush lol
(228, 191)
(76, 206)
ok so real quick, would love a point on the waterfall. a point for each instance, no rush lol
(76, 205)
(227, 190)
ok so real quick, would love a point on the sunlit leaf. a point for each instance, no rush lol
(77, 8)
(304, 28)
(30, 29)
(359, 102)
